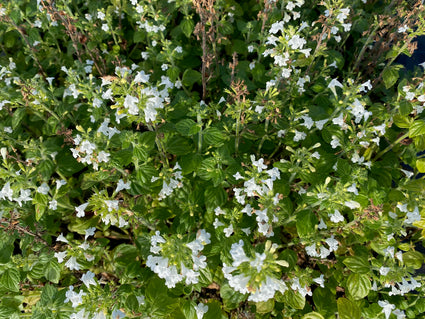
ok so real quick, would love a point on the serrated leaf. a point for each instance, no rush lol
(294, 299)
(357, 264)
(132, 303)
(306, 222)
(313, 315)
(420, 165)
(187, 26)
(190, 77)
(413, 259)
(358, 285)
(390, 75)
(348, 309)
(10, 279)
(417, 128)
(187, 127)
(52, 271)
(265, 306)
(214, 137)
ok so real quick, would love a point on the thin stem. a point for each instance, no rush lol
(389, 147)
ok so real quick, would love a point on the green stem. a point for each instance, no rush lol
(199, 120)
(264, 137)
(237, 134)
(389, 147)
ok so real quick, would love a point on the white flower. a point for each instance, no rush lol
(72, 296)
(80, 209)
(142, 77)
(276, 27)
(334, 83)
(319, 124)
(62, 238)
(336, 217)
(333, 243)
(89, 232)
(335, 142)
(121, 185)
(201, 310)
(320, 281)
(228, 231)
(403, 29)
(322, 225)
(88, 279)
(308, 122)
(384, 270)
(100, 15)
(386, 307)
(413, 216)
(299, 136)
(43, 189)
(130, 103)
(72, 264)
(259, 164)
(60, 256)
(297, 42)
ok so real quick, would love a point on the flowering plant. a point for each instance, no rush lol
(211, 159)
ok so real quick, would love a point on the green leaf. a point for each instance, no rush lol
(306, 222)
(231, 298)
(413, 259)
(402, 121)
(139, 36)
(190, 163)
(123, 157)
(68, 165)
(6, 249)
(52, 271)
(190, 77)
(324, 300)
(390, 75)
(214, 137)
(265, 306)
(178, 145)
(37, 271)
(132, 303)
(17, 117)
(10, 279)
(417, 128)
(348, 309)
(357, 264)
(140, 153)
(187, 26)
(420, 165)
(358, 285)
(214, 197)
(214, 310)
(313, 315)
(47, 295)
(187, 127)
(294, 299)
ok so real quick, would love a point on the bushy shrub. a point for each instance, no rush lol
(211, 159)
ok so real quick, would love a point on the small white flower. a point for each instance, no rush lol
(386, 307)
(403, 29)
(60, 256)
(88, 279)
(80, 209)
(53, 204)
(201, 310)
(228, 231)
(72, 264)
(43, 189)
(336, 217)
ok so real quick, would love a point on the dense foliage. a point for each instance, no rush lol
(211, 159)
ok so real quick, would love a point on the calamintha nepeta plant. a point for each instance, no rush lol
(211, 159)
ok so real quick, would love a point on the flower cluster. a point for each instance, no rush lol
(183, 261)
